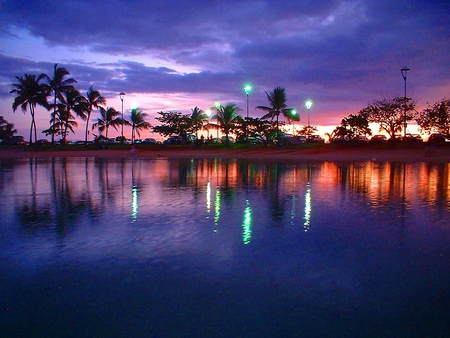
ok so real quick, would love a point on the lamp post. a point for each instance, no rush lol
(247, 90)
(208, 114)
(122, 94)
(217, 105)
(294, 113)
(308, 105)
(404, 70)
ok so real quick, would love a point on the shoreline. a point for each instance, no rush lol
(320, 153)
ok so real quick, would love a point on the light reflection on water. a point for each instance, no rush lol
(231, 247)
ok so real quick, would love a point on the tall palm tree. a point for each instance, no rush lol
(138, 122)
(73, 102)
(30, 93)
(93, 100)
(58, 84)
(198, 117)
(227, 118)
(109, 118)
(277, 101)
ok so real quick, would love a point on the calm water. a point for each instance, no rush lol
(223, 248)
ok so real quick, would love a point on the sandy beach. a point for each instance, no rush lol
(418, 153)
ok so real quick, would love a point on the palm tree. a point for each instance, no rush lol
(7, 130)
(138, 122)
(109, 118)
(30, 92)
(198, 117)
(57, 85)
(277, 101)
(227, 118)
(72, 102)
(93, 100)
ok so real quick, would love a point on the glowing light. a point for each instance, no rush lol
(247, 89)
(134, 203)
(208, 197)
(308, 208)
(247, 223)
(217, 209)
(308, 104)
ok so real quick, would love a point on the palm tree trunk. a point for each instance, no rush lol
(86, 132)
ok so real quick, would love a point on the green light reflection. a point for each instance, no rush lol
(216, 209)
(308, 208)
(208, 197)
(247, 223)
(134, 203)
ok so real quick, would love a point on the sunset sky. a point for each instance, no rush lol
(174, 55)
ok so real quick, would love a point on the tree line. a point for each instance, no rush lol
(65, 103)
(57, 93)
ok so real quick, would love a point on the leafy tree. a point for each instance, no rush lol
(7, 130)
(436, 118)
(353, 125)
(57, 85)
(390, 114)
(109, 118)
(172, 123)
(138, 122)
(227, 118)
(307, 131)
(263, 130)
(30, 93)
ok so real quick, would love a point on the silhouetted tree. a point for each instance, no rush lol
(198, 118)
(277, 106)
(93, 99)
(436, 118)
(109, 118)
(57, 85)
(172, 123)
(352, 126)
(227, 118)
(30, 93)
(138, 122)
(7, 130)
(390, 114)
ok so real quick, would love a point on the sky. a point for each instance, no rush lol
(174, 55)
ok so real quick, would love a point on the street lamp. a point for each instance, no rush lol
(308, 105)
(121, 95)
(293, 113)
(247, 90)
(208, 114)
(217, 105)
(404, 70)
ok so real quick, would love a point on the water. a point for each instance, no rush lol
(94, 247)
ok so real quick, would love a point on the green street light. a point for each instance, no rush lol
(293, 114)
(308, 105)
(247, 89)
